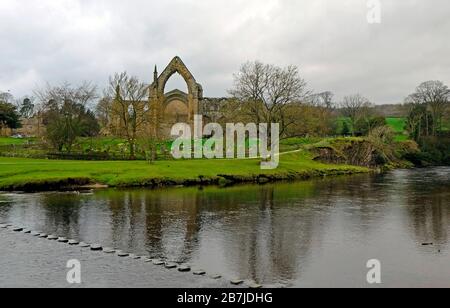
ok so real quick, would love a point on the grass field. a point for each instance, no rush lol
(398, 125)
(15, 173)
(14, 141)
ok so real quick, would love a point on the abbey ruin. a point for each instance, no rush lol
(177, 106)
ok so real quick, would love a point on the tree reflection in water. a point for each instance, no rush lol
(282, 233)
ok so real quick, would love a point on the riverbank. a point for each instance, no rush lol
(31, 262)
(20, 174)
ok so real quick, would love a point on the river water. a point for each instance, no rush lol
(317, 233)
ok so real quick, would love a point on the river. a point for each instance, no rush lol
(318, 233)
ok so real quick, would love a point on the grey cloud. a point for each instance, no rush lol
(331, 41)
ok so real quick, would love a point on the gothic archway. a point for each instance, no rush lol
(159, 99)
(177, 66)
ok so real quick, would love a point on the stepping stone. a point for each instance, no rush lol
(158, 262)
(63, 240)
(43, 235)
(134, 257)
(73, 242)
(34, 233)
(26, 231)
(17, 229)
(96, 247)
(184, 268)
(170, 265)
(237, 282)
(122, 254)
(215, 276)
(52, 237)
(2, 226)
(254, 285)
(109, 250)
(147, 260)
(84, 245)
(199, 272)
(427, 244)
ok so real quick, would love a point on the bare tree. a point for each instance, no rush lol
(82, 94)
(103, 111)
(130, 106)
(327, 99)
(265, 91)
(418, 120)
(323, 99)
(435, 95)
(354, 107)
(7, 98)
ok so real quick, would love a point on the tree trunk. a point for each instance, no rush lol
(132, 150)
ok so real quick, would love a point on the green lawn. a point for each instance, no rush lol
(399, 127)
(13, 141)
(397, 124)
(15, 172)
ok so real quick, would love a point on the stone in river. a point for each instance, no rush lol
(17, 229)
(96, 247)
(52, 237)
(84, 245)
(63, 240)
(170, 265)
(216, 276)
(122, 254)
(254, 285)
(2, 226)
(199, 272)
(134, 257)
(73, 242)
(26, 231)
(109, 250)
(184, 268)
(34, 233)
(237, 282)
(43, 235)
(158, 262)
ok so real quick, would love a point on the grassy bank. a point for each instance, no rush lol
(398, 125)
(32, 174)
(14, 141)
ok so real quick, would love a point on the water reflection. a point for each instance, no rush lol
(315, 232)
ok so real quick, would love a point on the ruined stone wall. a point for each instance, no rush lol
(212, 109)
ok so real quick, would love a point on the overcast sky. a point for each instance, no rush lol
(331, 41)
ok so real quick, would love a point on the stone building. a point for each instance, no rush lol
(177, 106)
(31, 127)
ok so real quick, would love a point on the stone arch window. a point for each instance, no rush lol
(177, 66)
(176, 82)
(159, 100)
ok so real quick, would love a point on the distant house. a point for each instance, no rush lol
(31, 127)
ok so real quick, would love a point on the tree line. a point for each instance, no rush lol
(261, 93)
(428, 106)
